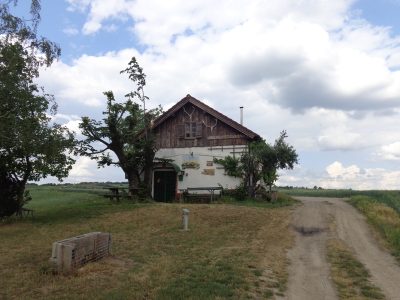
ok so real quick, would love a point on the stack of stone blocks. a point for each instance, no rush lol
(75, 252)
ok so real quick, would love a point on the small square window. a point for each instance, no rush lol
(192, 130)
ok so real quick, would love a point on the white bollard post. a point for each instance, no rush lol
(185, 219)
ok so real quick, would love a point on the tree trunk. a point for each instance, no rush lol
(148, 166)
(20, 187)
(147, 179)
(133, 181)
(251, 187)
(10, 195)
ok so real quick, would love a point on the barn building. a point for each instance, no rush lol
(189, 136)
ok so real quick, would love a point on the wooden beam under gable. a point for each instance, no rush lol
(225, 137)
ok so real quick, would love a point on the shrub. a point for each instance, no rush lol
(240, 193)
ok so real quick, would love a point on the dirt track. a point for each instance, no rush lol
(309, 277)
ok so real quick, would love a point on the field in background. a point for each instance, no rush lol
(234, 250)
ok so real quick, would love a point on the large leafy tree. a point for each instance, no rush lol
(124, 137)
(31, 146)
(276, 157)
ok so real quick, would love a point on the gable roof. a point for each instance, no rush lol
(221, 117)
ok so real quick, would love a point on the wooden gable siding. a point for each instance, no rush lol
(213, 131)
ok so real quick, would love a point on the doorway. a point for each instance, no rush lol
(164, 185)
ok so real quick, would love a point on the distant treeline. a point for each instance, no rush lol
(101, 184)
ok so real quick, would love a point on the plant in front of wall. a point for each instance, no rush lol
(231, 165)
(261, 163)
(190, 165)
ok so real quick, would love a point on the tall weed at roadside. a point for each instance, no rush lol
(383, 217)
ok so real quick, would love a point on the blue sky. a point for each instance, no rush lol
(326, 71)
(63, 26)
(380, 12)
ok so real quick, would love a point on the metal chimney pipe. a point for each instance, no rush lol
(241, 115)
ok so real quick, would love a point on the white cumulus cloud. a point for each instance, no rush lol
(390, 151)
(354, 177)
(337, 170)
(82, 169)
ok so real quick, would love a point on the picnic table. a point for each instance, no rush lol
(24, 212)
(121, 192)
(115, 193)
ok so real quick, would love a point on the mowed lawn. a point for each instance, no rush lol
(230, 251)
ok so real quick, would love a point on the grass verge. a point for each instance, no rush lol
(351, 278)
(384, 218)
(230, 252)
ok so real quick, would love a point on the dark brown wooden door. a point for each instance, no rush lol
(164, 186)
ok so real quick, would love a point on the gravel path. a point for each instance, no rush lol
(309, 270)
(309, 277)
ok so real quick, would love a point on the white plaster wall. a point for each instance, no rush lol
(194, 177)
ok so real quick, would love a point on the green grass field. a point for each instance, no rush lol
(222, 256)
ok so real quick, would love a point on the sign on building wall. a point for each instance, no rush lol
(190, 162)
(208, 172)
